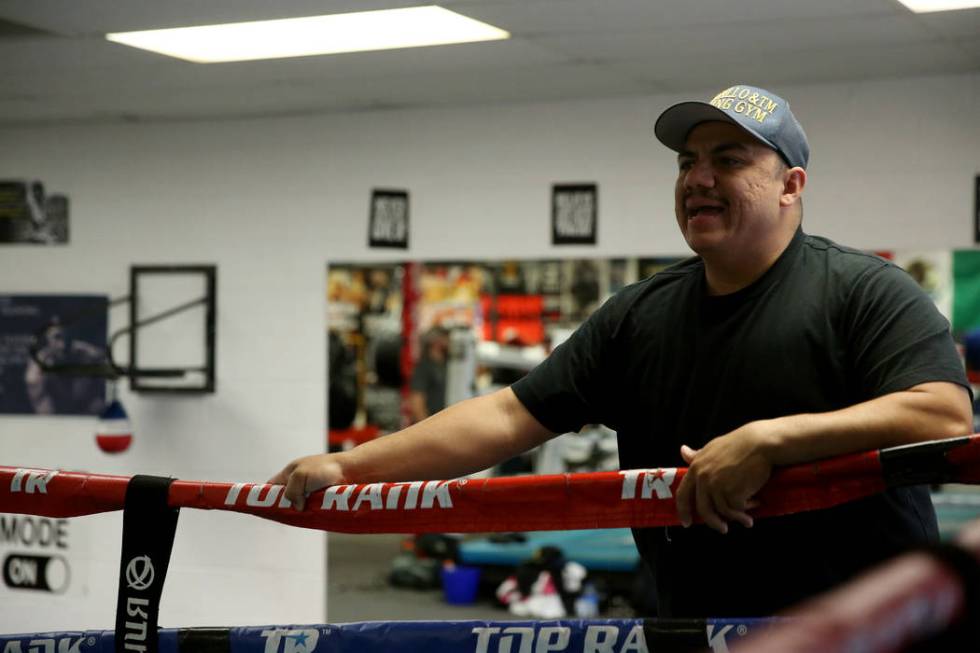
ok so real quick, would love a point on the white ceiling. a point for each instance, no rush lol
(56, 67)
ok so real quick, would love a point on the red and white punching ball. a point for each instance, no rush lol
(114, 433)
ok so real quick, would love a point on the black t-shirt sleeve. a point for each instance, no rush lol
(574, 385)
(896, 337)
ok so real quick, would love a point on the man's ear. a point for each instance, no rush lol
(794, 180)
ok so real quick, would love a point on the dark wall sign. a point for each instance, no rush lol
(68, 330)
(574, 214)
(389, 219)
(28, 215)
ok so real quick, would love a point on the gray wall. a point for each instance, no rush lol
(272, 202)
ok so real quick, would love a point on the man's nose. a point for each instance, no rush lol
(699, 175)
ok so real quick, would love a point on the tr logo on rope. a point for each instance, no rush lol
(37, 480)
(290, 641)
(652, 481)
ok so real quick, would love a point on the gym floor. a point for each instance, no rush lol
(358, 590)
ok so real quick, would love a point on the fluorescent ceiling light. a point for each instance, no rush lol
(927, 6)
(300, 37)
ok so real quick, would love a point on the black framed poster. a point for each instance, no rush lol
(388, 225)
(574, 214)
(30, 216)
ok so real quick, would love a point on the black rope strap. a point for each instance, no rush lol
(149, 525)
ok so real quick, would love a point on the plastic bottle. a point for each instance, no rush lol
(587, 604)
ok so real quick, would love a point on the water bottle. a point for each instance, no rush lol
(587, 604)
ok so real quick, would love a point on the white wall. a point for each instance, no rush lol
(271, 202)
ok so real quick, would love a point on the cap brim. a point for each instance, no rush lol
(676, 122)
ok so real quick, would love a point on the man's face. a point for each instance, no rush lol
(727, 196)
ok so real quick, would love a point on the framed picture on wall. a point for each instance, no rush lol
(388, 226)
(30, 216)
(574, 214)
(38, 335)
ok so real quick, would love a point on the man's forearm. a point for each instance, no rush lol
(724, 476)
(465, 438)
(931, 411)
(462, 439)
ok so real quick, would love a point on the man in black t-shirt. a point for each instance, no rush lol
(770, 347)
(428, 385)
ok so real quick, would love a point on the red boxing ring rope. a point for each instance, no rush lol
(639, 498)
(912, 597)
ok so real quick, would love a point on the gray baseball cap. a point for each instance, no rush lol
(763, 114)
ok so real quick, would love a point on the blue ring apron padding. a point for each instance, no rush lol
(572, 635)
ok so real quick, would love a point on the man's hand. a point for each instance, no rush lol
(724, 476)
(307, 474)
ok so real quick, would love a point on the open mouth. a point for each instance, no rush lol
(704, 210)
